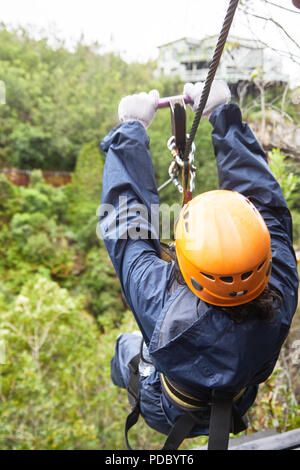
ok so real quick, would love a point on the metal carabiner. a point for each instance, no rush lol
(177, 164)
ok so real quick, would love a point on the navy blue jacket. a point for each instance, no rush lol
(213, 352)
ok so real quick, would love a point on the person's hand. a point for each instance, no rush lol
(140, 107)
(219, 94)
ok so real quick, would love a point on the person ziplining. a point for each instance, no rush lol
(213, 319)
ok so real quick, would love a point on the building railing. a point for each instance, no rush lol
(22, 177)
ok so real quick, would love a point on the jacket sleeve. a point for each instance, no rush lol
(243, 167)
(129, 223)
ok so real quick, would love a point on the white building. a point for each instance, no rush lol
(189, 59)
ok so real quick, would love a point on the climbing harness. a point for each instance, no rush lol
(218, 404)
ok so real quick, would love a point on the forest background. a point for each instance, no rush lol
(61, 305)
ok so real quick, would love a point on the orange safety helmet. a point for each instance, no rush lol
(223, 248)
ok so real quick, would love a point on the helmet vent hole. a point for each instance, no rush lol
(196, 284)
(186, 226)
(186, 215)
(245, 276)
(261, 265)
(238, 294)
(227, 279)
(209, 276)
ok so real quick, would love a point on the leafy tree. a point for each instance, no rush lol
(50, 383)
(285, 173)
(58, 100)
(102, 288)
(8, 199)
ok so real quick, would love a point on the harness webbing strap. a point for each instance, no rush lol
(220, 421)
(179, 431)
(133, 392)
(131, 420)
(223, 418)
(133, 387)
(180, 398)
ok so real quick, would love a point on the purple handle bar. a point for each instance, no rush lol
(165, 102)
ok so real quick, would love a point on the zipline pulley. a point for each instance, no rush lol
(176, 144)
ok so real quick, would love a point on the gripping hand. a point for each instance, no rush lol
(219, 94)
(140, 107)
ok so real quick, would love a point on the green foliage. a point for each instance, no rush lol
(8, 200)
(56, 391)
(84, 195)
(50, 382)
(34, 201)
(32, 236)
(103, 289)
(296, 228)
(285, 173)
(288, 176)
(38, 240)
(57, 100)
(36, 177)
(206, 175)
(55, 198)
(276, 406)
(88, 171)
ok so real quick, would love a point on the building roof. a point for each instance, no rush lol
(245, 42)
(186, 39)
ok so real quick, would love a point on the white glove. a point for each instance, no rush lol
(141, 107)
(219, 94)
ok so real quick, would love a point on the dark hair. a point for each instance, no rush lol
(178, 274)
(263, 307)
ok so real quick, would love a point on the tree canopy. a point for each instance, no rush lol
(61, 305)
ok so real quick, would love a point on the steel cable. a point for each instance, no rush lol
(211, 74)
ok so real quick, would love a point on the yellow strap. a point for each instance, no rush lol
(183, 403)
(175, 398)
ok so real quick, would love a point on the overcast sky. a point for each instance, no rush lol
(135, 28)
